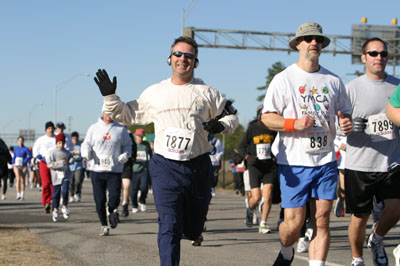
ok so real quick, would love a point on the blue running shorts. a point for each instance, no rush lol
(300, 183)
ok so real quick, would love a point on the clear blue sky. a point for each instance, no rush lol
(45, 42)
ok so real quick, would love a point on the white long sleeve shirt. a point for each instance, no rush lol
(178, 112)
(42, 146)
(103, 144)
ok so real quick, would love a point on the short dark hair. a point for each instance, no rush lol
(187, 40)
(364, 47)
(49, 124)
(75, 134)
(21, 137)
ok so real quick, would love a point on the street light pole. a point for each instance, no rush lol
(59, 86)
(30, 114)
(184, 16)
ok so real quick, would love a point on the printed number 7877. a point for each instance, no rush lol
(175, 139)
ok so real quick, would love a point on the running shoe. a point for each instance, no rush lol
(280, 261)
(198, 241)
(55, 215)
(18, 196)
(369, 238)
(309, 233)
(135, 210)
(339, 208)
(125, 211)
(302, 245)
(113, 219)
(255, 218)
(71, 199)
(117, 214)
(47, 208)
(65, 212)
(142, 207)
(249, 217)
(264, 228)
(357, 263)
(3, 197)
(396, 254)
(77, 198)
(213, 192)
(104, 231)
(379, 256)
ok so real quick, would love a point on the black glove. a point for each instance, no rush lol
(359, 124)
(213, 126)
(251, 160)
(105, 85)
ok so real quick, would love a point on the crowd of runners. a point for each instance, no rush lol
(315, 141)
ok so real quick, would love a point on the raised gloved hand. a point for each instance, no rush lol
(213, 126)
(123, 158)
(251, 159)
(105, 85)
(359, 124)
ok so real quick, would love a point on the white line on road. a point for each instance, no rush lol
(326, 263)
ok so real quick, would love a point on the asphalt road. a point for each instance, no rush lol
(227, 240)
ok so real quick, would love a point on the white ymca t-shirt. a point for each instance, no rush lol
(294, 93)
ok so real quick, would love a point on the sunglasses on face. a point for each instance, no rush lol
(309, 38)
(187, 55)
(375, 53)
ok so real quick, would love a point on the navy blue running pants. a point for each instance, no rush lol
(181, 192)
(102, 181)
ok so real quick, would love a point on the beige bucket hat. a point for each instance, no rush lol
(306, 29)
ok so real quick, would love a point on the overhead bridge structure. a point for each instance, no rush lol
(278, 41)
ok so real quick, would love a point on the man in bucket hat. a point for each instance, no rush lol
(309, 29)
(302, 103)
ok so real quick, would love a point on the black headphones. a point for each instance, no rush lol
(196, 62)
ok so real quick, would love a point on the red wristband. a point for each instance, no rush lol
(288, 125)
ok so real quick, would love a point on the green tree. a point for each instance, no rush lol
(272, 71)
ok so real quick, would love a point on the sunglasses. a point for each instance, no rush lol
(375, 53)
(187, 55)
(309, 38)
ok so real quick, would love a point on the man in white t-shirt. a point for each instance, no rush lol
(302, 103)
(40, 151)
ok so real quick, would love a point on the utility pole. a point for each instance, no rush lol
(184, 16)
(69, 119)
